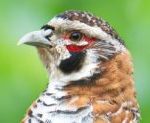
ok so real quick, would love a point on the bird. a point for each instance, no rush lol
(90, 72)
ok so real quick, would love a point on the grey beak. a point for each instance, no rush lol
(36, 38)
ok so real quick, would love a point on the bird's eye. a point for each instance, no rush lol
(76, 36)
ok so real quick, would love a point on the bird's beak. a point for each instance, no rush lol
(37, 38)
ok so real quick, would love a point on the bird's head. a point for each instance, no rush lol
(74, 43)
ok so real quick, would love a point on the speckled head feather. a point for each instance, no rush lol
(90, 20)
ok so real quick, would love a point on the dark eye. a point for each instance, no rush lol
(76, 36)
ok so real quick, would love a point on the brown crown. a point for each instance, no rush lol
(90, 20)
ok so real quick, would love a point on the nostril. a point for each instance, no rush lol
(48, 31)
(48, 36)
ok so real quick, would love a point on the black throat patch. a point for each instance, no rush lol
(73, 63)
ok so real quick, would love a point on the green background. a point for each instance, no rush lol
(22, 76)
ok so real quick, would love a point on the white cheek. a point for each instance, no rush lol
(78, 43)
(82, 43)
(64, 53)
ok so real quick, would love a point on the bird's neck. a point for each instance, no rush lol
(114, 81)
(112, 93)
(59, 80)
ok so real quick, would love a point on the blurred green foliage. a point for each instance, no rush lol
(22, 76)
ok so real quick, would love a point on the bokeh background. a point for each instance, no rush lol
(22, 76)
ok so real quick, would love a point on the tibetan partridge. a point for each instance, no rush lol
(90, 72)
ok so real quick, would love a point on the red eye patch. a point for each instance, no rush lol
(76, 48)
